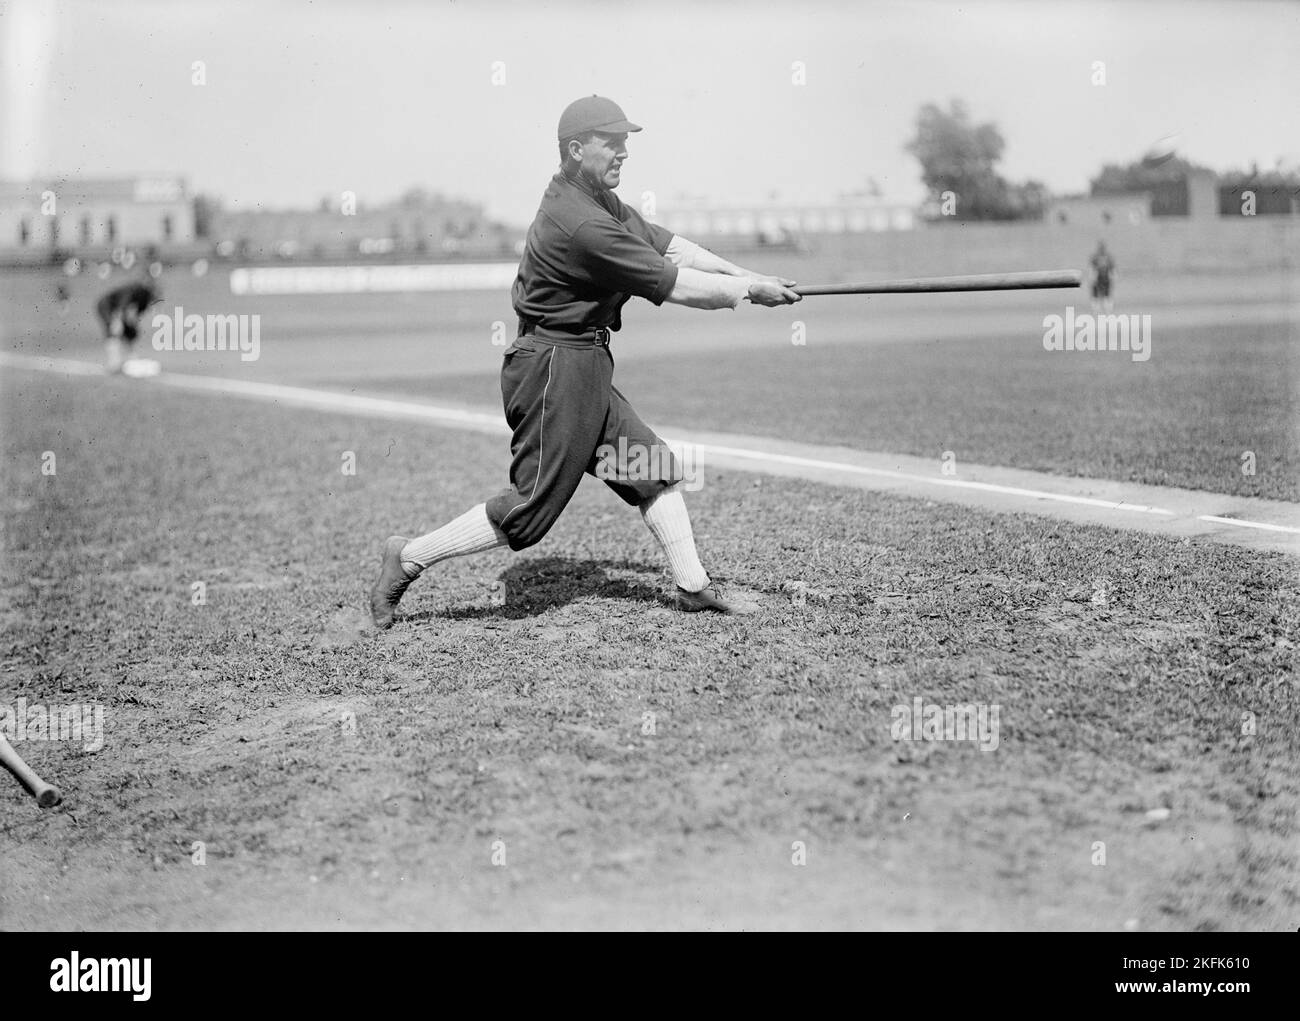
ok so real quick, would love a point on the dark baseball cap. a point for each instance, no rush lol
(593, 113)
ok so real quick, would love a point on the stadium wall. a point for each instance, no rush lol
(1157, 246)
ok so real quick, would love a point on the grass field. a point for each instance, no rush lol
(228, 722)
(913, 375)
(584, 756)
(1185, 422)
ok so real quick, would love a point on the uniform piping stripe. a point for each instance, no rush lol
(541, 441)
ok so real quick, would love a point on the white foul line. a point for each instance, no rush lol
(41, 364)
(809, 462)
(323, 399)
(328, 400)
(1246, 524)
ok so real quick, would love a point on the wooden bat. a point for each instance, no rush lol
(979, 282)
(47, 795)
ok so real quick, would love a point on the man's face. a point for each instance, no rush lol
(602, 159)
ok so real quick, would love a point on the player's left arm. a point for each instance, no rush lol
(684, 253)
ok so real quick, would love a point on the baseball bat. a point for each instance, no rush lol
(978, 282)
(47, 795)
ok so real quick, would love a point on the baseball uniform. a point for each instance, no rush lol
(119, 309)
(586, 255)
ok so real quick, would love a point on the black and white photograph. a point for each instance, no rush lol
(691, 467)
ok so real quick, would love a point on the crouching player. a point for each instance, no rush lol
(119, 312)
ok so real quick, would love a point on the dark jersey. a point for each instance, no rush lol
(137, 297)
(586, 256)
(1103, 265)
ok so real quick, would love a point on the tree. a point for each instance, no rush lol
(960, 157)
(1029, 200)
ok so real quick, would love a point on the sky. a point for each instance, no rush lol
(304, 100)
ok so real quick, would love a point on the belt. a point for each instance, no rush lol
(597, 337)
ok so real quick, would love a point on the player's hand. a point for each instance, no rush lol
(774, 280)
(772, 292)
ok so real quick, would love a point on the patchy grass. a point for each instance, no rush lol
(1184, 418)
(640, 768)
(912, 375)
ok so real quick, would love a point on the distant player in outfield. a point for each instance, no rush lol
(119, 312)
(586, 255)
(1103, 269)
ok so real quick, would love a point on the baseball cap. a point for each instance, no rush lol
(593, 113)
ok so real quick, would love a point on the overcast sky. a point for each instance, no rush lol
(307, 99)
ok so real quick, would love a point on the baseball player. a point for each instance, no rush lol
(586, 255)
(1103, 266)
(119, 312)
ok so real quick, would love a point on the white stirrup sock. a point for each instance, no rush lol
(472, 532)
(665, 515)
(115, 352)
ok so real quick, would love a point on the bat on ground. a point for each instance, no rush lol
(980, 282)
(47, 795)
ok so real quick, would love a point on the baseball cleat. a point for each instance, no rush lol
(711, 599)
(392, 583)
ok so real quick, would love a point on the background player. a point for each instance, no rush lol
(1103, 267)
(119, 312)
(586, 255)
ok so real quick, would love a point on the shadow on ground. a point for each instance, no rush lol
(530, 588)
